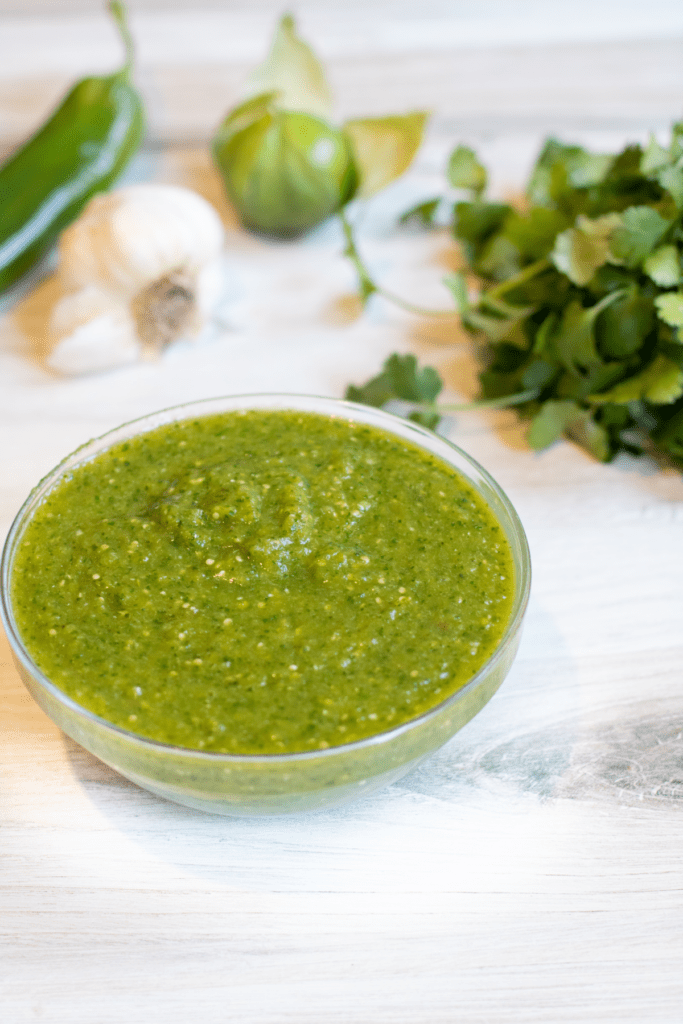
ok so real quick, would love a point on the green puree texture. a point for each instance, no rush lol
(262, 581)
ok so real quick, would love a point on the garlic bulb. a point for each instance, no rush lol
(139, 268)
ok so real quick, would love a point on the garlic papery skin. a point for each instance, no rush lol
(95, 332)
(140, 268)
(127, 239)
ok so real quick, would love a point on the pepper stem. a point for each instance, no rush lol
(118, 13)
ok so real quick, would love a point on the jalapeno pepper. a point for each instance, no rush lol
(80, 150)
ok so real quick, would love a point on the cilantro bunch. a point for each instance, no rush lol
(579, 313)
(581, 301)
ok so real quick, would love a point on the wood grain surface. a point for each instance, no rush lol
(531, 870)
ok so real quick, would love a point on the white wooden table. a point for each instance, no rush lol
(532, 870)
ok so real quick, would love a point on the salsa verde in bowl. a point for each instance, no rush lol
(262, 604)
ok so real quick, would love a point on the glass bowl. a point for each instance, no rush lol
(276, 783)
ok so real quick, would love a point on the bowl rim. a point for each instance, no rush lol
(410, 431)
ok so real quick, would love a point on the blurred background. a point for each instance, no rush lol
(530, 66)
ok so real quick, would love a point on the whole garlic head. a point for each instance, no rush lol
(140, 267)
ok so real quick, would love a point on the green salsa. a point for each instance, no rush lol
(262, 582)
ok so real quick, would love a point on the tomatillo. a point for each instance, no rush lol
(284, 171)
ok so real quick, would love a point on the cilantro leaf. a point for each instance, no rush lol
(430, 420)
(663, 266)
(574, 341)
(669, 436)
(457, 285)
(402, 379)
(670, 308)
(550, 423)
(411, 383)
(558, 418)
(624, 324)
(549, 181)
(641, 229)
(423, 213)
(534, 232)
(655, 157)
(591, 435)
(465, 171)
(474, 223)
(671, 178)
(583, 249)
(586, 169)
(660, 383)
(376, 392)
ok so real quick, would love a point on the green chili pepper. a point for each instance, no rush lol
(79, 151)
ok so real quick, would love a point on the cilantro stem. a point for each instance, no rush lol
(370, 287)
(521, 278)
(504, 402)
(492, 403)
